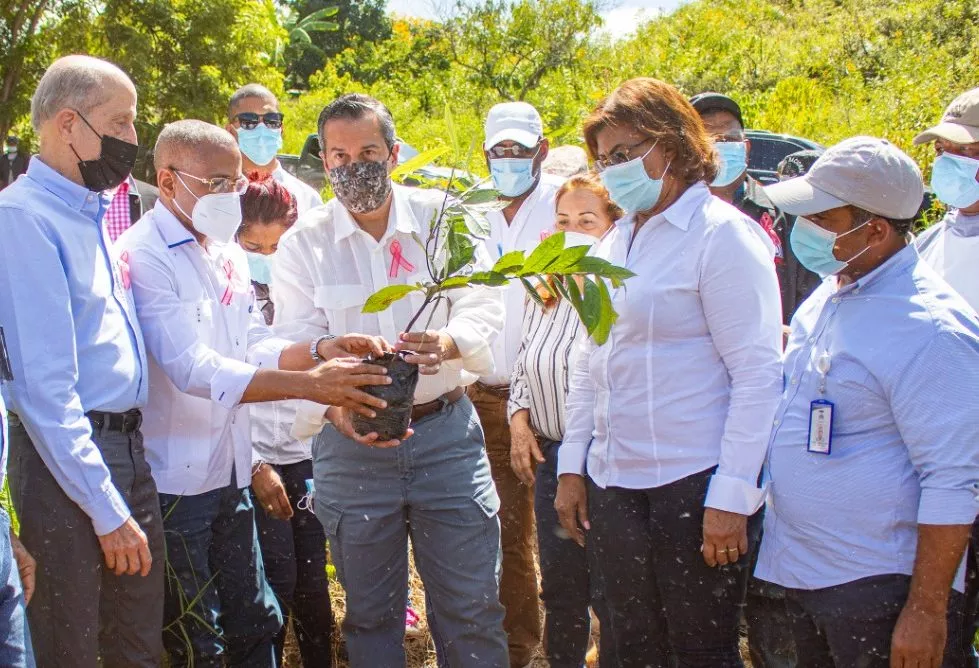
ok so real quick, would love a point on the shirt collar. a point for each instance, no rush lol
(172, 230)
(681, 211)
(401, 218)
(895, 264)
(963, 225)
(76, 196)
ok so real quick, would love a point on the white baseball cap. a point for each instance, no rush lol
(960, 122)
(514, 121)
(865, 172)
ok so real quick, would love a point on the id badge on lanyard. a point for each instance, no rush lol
(821, 414)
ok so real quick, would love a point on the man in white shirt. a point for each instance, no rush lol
(256, 122)
(515, 149)
(951, 247)
(435, 486)
(210, 351)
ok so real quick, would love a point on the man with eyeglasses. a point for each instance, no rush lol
(209, 352)
(515, 149)
(256, 122)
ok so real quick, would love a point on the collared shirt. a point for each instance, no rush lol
(902, 351)
(692, 367)
(540, 375)
(70, 324)
(532, 223)
(198, 313)
(951, 247)
(118, 218)
(327, 266)
(306, 197)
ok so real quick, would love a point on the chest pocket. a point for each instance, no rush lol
(341, 304)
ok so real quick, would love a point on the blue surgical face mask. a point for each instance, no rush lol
(953, 178)
(261, 144)
(260, 267)
(513, 176)
(734, 160)
(631, 187)
(813, 246)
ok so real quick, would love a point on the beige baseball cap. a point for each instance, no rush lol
(960, 122)
(865, 172)
(514, 121)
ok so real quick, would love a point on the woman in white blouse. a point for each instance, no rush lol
(538, 391)
(668, 422)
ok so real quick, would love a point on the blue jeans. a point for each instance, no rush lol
(435, 488)
(569, 583)
(15, 639)
(218, 608)
(294, 553)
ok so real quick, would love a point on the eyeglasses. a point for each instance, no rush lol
(221, 184)
(250, 121)
(515, 151)
(620, 156)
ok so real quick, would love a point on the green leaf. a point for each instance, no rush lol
(480, 196)
(455, 282)
(607, 315)
(599, 267)
(546, 253)
(461, 251)
(384, 297)
(532, 291)
(478, 225)
(574, 293)
(320, 26)
(406, 169)
(450, 131)
(591, 308)
(321, 14)
(488, 278)
(569, 257)
(512, 261)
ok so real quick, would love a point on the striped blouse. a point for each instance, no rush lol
(540, 375)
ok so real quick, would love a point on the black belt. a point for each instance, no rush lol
(123, 423)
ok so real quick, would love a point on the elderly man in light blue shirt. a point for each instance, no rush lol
(80, 482)
(874, 455)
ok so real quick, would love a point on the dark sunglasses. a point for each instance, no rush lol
(250, 121)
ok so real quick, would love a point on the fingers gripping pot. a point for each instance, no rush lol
(391, 422)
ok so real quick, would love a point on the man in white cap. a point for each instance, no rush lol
(515, 149)
(873, 461)
(952, 249)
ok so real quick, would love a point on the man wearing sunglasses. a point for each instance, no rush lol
(256, 122)
(515, 149)
(210, 351)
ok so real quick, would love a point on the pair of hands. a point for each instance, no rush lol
(725, 534)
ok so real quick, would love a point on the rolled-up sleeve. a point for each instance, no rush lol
(172, 339)
(579, 414)
(40, 336)
(933, 402)
(264, 345)
(740, 297)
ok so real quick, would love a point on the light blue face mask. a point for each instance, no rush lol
(813, 247)
(631, 187)
(513, 176)
(734, 160)
(953, 178)
(260, 267)
(261, 144)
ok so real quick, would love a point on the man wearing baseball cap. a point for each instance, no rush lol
(515, 149)
(951, 247)
(873, 460)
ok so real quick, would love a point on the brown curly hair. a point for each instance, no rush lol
(657, 110)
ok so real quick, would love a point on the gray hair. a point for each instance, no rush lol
(73, 82)
(189, 136)
(247, 92)
(355, 106)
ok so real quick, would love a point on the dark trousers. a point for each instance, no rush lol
(219, 609)
(770, 642)
(568, 587)
(850, 625)
(666, 606)
(82, 614)
(294, 553)
(971, 616)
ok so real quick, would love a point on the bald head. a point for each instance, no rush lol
(79, 83)
(186, 143)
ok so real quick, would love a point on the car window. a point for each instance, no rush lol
(767, 152)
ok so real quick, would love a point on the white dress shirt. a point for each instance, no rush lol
(951, 247)
(306, 197)
(200, 321)
(532, 223)
(691, 374)
(327, 266)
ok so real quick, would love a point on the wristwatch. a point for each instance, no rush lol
(314, 346)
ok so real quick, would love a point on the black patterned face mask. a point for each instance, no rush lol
(361, 187)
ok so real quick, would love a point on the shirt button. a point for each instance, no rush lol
(795, 380)
(812, 339)
(777, 421)
(836, 300)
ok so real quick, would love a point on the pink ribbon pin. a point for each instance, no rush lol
(545, 234)
(229, 270)
(398, 260)
(127, 280)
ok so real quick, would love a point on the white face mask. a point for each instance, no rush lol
(572, 239)
(216, 215)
